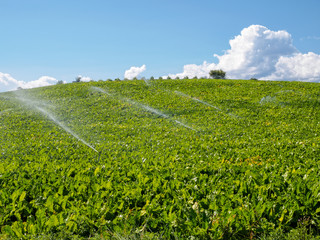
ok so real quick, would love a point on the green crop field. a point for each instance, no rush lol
(170, 159)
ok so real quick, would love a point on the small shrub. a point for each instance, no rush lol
(217, 74)
(78, 79)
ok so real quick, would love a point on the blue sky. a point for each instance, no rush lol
(102, 39)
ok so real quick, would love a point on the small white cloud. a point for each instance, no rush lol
(192, 70)
(41, 82)
(6, 80)
(8, 83)
(134, 72)
(84, 79)
(261, 53)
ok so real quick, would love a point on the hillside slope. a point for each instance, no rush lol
(172, 158)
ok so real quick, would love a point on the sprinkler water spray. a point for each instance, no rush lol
(49, 115)
(146, 107)
(205, 103)
(196, 99)
(35, 105)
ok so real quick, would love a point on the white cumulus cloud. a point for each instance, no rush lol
(255, 52)
(301, 67)
(261, 53)
(134, 72)
(8, 83)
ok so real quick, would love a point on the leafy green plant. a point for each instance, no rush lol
(247, 168)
